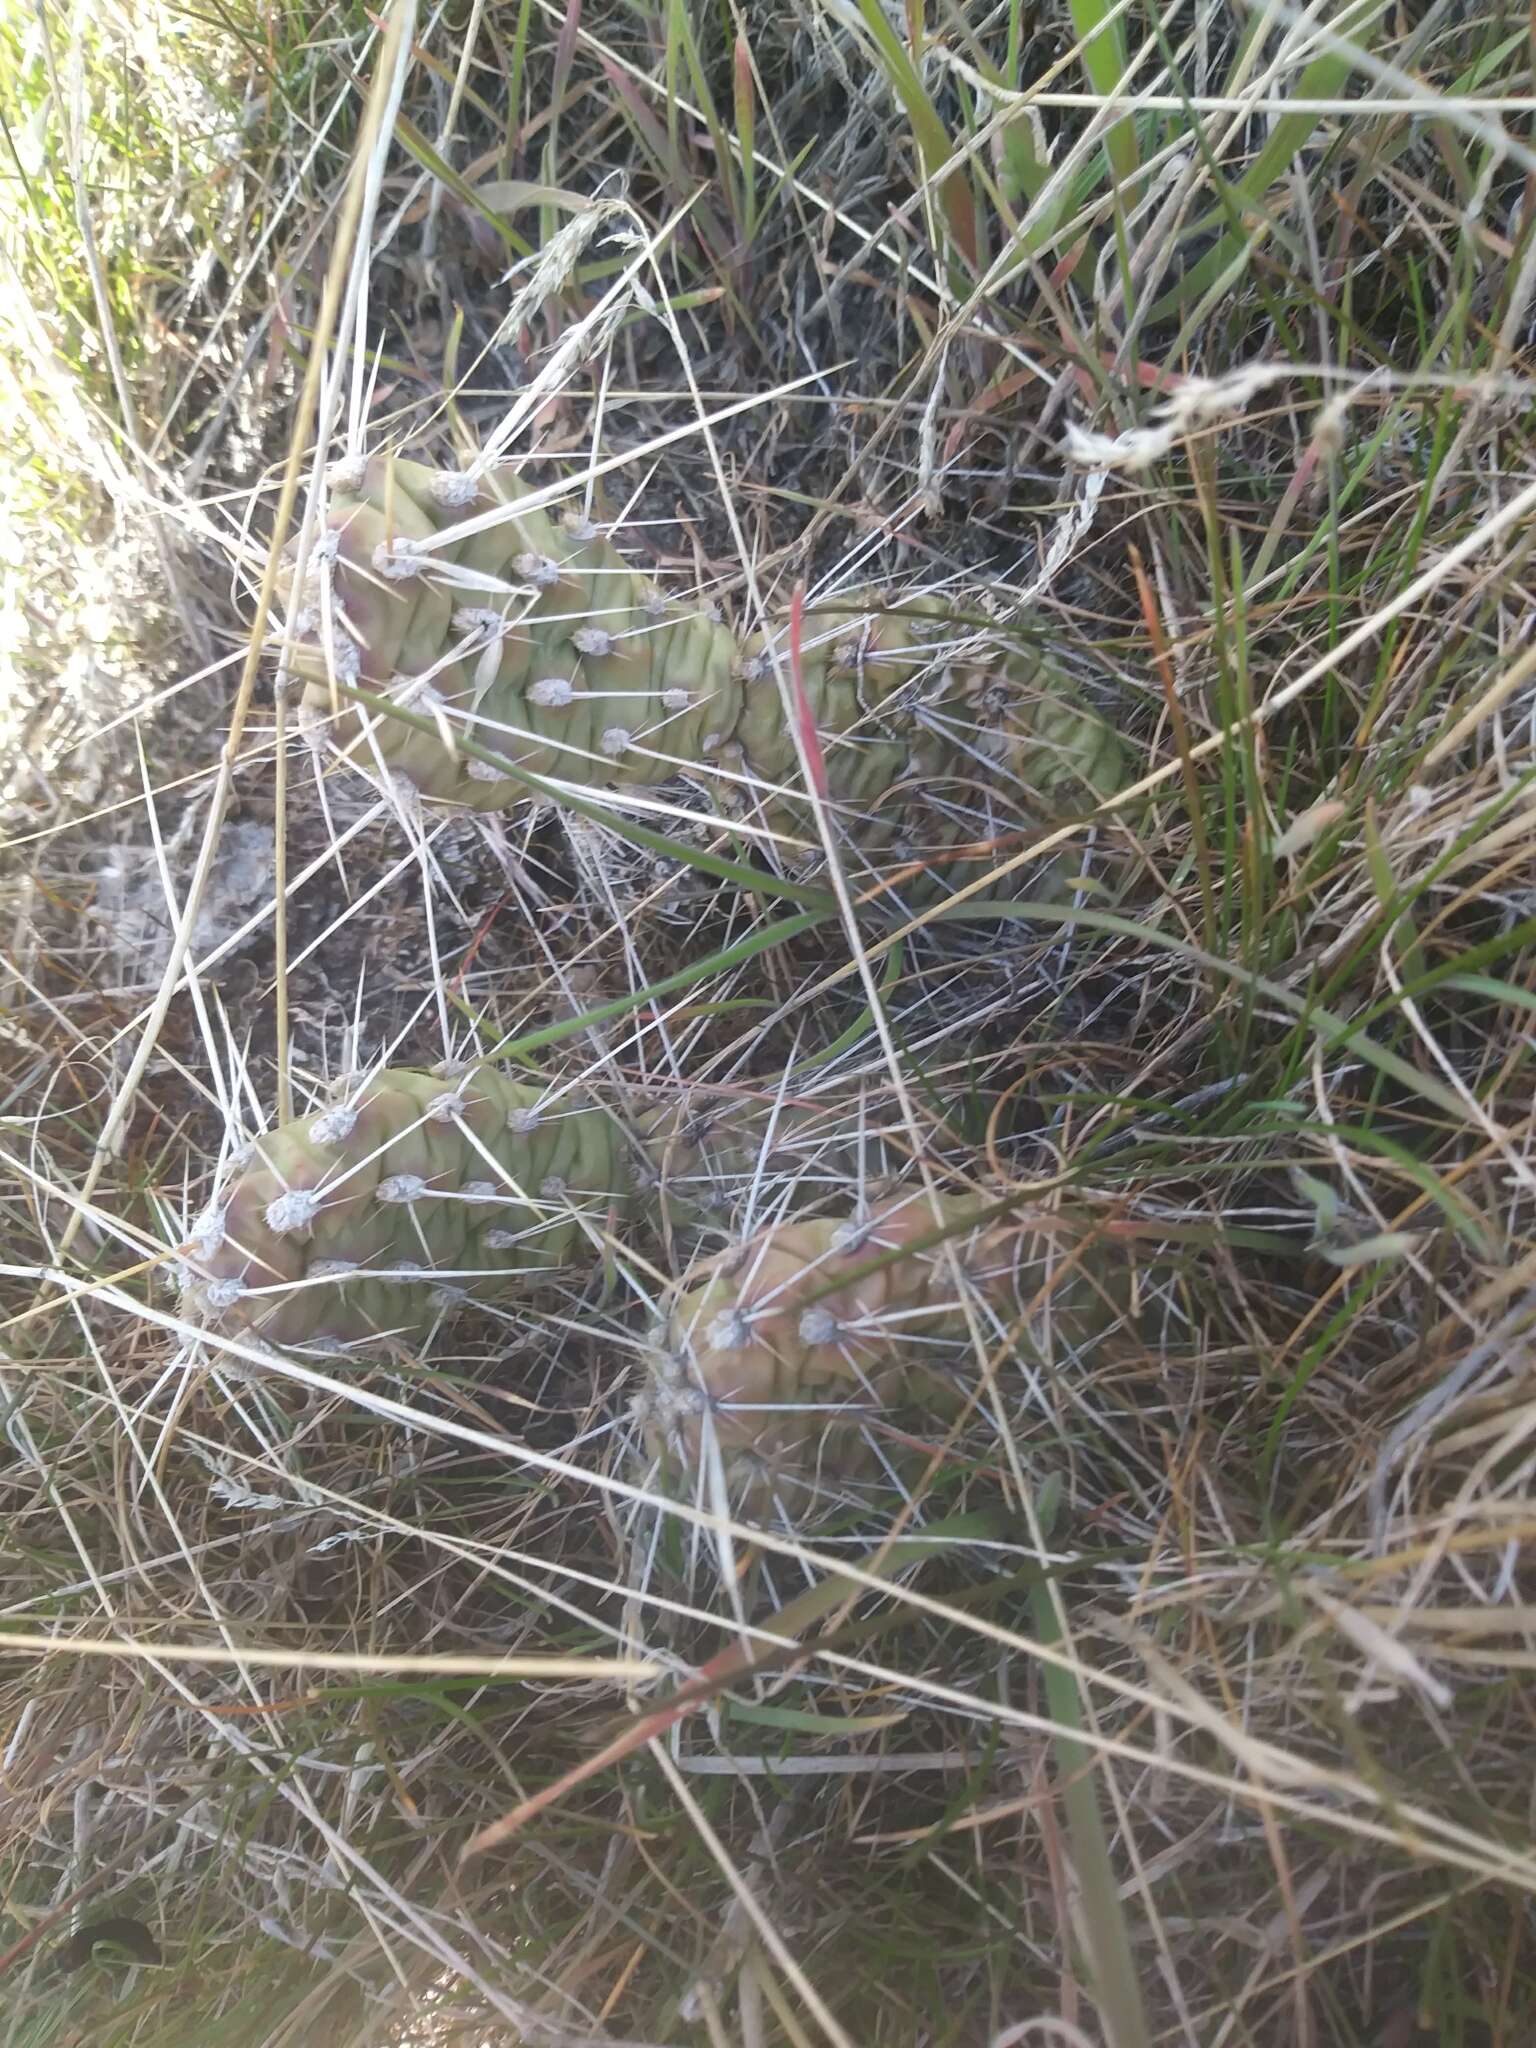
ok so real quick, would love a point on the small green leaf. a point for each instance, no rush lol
(1388, 1244)
(801, 1722)
(1324, 1200)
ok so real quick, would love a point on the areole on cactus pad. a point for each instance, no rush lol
(458, 598)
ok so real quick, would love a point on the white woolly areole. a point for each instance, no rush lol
(710, 743)
(756, 668)
(537, 569)
(730, 1331)
(451, 487)
(334, 1126)
(654, 604)
(448, 1108)
(851, 1236)
(499, 1240)
(553, 1188)
(595, 640)
(400, 559)
(615, 741)
(481, 1191)
(676, 700)
(294, 1210)
(332, 1269)
(579, 526)
(481, 619)
(347, 474)
(818, 1326)
(481, 771)
(207, 1232)
(401, 1187)
(552, 693)
(523, 1122)
(418, 691)
(346, 657)
(221, 1294)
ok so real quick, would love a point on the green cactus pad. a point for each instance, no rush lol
(376, 1216)
(536, 640)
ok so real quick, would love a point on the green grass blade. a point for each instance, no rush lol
(1104, 60)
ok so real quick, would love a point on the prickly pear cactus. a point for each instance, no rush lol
(774, 1363)
(535, 640)
(373, 1218)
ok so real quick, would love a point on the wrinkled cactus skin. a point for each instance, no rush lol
(371, 1218)
(771, 1361)
(536, 640)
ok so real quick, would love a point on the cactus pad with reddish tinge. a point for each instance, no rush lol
(785, 1359)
